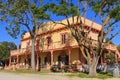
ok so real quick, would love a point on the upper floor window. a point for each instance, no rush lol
(28, 44)
(63, 38)
(49, 40)
(41, 42)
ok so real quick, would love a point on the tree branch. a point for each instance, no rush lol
(57, 22)
(26, 26)
(114, 35)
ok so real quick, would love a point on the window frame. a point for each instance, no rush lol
(63, 39)
(47, 40)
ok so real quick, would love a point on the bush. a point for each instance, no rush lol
(66, 68)
(119, 60)
(54, 68)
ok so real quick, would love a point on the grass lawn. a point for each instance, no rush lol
(25, 71)
(76, 74)
(84, 75)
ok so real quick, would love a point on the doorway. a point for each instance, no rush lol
(64, 59)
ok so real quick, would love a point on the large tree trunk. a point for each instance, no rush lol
(92, 67)
(33, 56)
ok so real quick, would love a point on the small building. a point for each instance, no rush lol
(55, 45)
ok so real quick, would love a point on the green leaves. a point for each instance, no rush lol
(13, 29)
(108, 7)
(17, 7)
(5, 48)
(110, 58)
(118, 47)
(22, 13)
(63, 9)
(39, 13)
(96, 8)
(115, 13)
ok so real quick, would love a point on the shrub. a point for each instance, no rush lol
(54, 68)
(66, 68)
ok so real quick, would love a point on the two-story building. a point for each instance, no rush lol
(55, 45)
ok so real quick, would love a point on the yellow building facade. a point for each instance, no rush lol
(55, 45)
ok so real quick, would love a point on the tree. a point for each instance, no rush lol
(24, 14)
(118, 47)
(5, 48)
(108, 12)
(110, 42)
(110, 58)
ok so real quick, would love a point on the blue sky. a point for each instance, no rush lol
(5, 37)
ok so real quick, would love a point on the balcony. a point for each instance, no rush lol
(111, 47)
(56, 45)
(14, 52)
(18, 51)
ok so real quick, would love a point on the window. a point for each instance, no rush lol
(49, 41)
(41, 42)
(28, 44)
(63, 38)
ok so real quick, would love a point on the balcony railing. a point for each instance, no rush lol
(14, 52)
(56, 45)
(111, 47)
(18, 51)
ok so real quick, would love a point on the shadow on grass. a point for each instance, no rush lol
(25, 71)
(85, 75)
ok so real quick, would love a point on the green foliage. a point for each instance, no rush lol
(84, 75)
(115, 13)
(25, 72)
(96, 7)
(54, 68)
(4, 51)
(118, 47)
(39, 13)
(63, 9)
(66, 68)
(110, 57)
(110, 7)
(5, 48)
(119, 60)
(25, 13)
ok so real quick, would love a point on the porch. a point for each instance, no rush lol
(53, 55)
(45, 59)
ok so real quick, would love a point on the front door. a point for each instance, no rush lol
(63, 59)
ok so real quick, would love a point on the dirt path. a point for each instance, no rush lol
(51, 76)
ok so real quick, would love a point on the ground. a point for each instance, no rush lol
(50, 76)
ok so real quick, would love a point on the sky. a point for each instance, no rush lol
(4, 36)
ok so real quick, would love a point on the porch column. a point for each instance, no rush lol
(69, 53)
(83, 61)
(101, 58)
(79, 63)
(26, 65)
(10, 61)
(17, 62)
(51, 52)
(116, 57)
(37, 65)
(79, 56)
